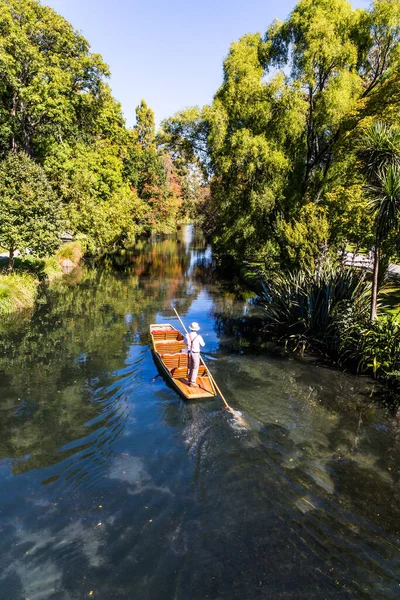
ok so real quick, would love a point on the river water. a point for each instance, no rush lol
(112, 487)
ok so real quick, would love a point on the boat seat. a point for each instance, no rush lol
(159, 335)
(169, 347)
(182, 372)
(175, 361)
(179, 372)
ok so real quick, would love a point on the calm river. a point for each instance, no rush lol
(112, 487)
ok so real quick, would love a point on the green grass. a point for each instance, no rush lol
(17, 292)
(390, 299)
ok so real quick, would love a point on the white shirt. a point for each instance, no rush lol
(194, 341)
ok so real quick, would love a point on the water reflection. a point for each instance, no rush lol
(56, 365)
(111, 484)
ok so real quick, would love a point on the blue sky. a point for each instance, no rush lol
(168, 52)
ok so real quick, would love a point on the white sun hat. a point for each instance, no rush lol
(194, 326)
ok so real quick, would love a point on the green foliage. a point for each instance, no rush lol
(51, 269)
(72, 251)
(184, 135)
(145, 129)
(328, 310)
(184, 138)
(385, 201)
(378, 148)
(281, 134)
(56, 106)
(348, 216)
(151, 174)
(29, 211)
(304, 240)
(51, 85)
(17, 292)
(374, 347)
(379, 151)
(99, 205)
(301, 306)
(248, 135)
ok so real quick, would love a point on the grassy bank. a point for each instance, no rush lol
(18, 290)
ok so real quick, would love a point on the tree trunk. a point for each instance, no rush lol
(11, 260)
(344, 253)
(310, 140)
(375, 281)
(13, 115)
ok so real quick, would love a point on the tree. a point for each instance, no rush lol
(280, 133)
(29, 210)
(51, 86)
(56, 107)
(147, 171)
(306, 239)
(185, 136)
(145, 126)
(379, 151)
(385, 204)
(255, 129)
(98, 203)
(340, 58)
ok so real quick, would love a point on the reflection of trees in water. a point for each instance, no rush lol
(66, 373)
(54, 364)
(160, 258)
(162, 267)
(78, 338)
(236, 327)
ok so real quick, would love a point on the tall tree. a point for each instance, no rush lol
(280, 133)
(147, 172)
(56, 106)
(145, 126)
(340, 58)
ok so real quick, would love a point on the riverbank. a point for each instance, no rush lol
(326, 313)
(19, 289)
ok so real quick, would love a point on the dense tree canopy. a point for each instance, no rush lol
(51, 87)
(56, 106)
(271, 164)
(279, 140)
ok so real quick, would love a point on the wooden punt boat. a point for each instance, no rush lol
(170, 352)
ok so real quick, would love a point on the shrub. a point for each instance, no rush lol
(300, 307)
(373, 346)
(72, 251)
